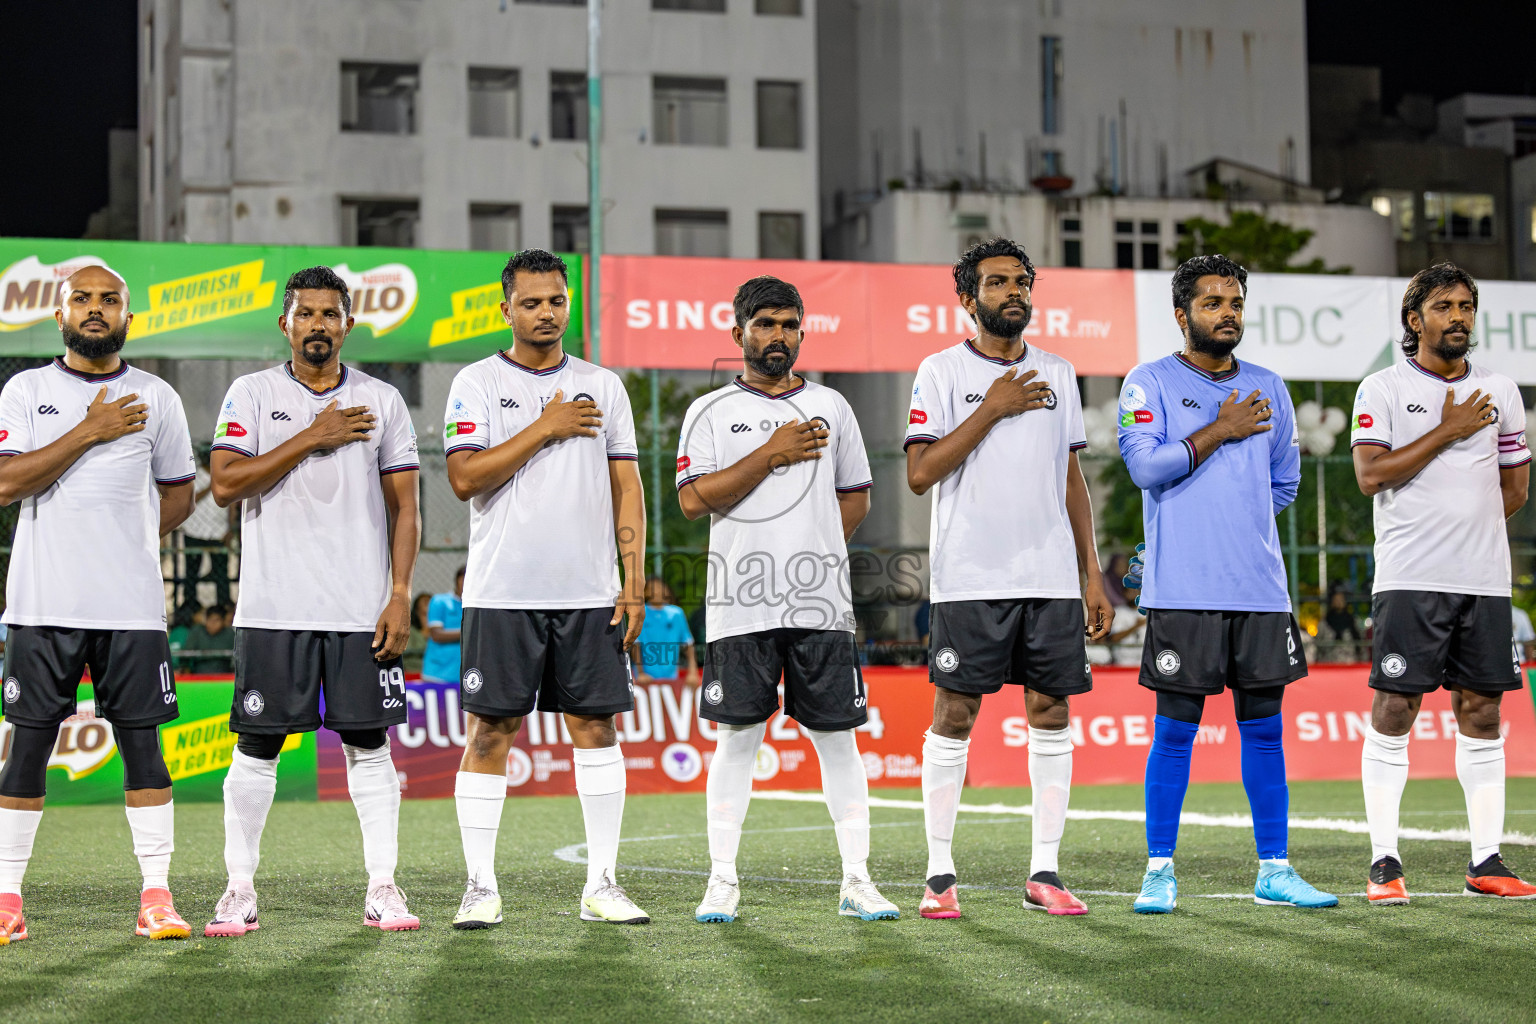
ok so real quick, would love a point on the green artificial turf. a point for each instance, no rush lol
(789, 956)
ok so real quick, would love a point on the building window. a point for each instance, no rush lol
(1459, 216)
(1533, 225)
(569, 229)
(1050, 84)
(710, 6)
(1071, 242)
(791, 7)
(1396, 206)
(495, 227)
(380, 222)
(1133, 240)
(689, 111)
(495, 103)
(1151, 251)
(568, 105)
(379, 98)
(778, 115)
(693, 233)
(781, 236)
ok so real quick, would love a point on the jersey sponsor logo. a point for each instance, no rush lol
(254, 703)
(741, 428)
(6, 433)
(917, 416)
(12, 690)
(460, 427)
(714, 692)
(682, 762)
(947, 660)
(282, 416)
(1394, 665)
(229, 429)
(383, 297)
(473, 680)
(1130, 419)
(48, 410)
(1364, 421)
(1416, 407)
(683, 462)
(1190, 403)
(1132, 398)
(510, 403)
(973, 398)
(1168, 662)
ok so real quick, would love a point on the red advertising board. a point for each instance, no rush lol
(667, 747)
(675, 313)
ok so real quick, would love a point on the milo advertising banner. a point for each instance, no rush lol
(85, 767)
(222, 301)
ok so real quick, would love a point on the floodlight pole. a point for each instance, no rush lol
(594, 298)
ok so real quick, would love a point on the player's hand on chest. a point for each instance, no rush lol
(786, 437)
(116, 417)
(339, 423)
(565, 413)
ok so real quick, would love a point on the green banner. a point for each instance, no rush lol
(222, 301)
(85, 767)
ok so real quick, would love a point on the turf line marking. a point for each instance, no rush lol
(1460, 835)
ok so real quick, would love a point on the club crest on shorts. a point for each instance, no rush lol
(473, 680)
(1168, 662)
(12, 690)
(254, 703)
(946, 660)
(714, 692)
(1394, 665)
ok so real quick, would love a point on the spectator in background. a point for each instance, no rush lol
(208, 532)
(445, 615)
(665, 640)
(1339, 636)
(1525, 635)
(212, 638)
(416, 646)
(187, 614)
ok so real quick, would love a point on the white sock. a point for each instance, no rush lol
(478, 799)
(375, 790)
(1158, 863)
(847, 791)
(600, 784)
(1050, 780)
(1279, 862)
(728, 792)
(17, 831)
(943, 778)
(1480, 768)
(1383, 774)
(154, 839)
(248, 791)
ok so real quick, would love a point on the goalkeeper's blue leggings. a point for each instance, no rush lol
(1173, 740)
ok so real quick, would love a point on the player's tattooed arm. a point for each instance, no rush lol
(22, 476)
(724, 489)
(176, 503)
(237, 476)
(1099, 613)
(1382, 469)
(1008, 395)
(629, 532)
(473, 473)
(403, 514)
(853, 506)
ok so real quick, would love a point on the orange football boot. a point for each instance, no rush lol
(13, 927)
(1044, 891)
(158, 918)
(1384, 886)
(1492, 878)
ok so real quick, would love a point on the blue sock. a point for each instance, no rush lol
(1167, 779)
(1269, 797)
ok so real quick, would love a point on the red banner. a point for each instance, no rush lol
(674, 313)
(667, 747)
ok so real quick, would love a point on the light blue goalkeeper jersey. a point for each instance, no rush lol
(1211, 537)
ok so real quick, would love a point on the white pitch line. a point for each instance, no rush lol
(1187, 818)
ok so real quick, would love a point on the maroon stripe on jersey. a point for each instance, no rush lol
(1431, 373)
(537, 373)
(398, 469)
(318, 394)
(623, 458)
(856, 487)
(1208, 375)
(918, 439)
(1515, 465)
(1378, 444)
(176, 480)
(1077, 445)
(465, 448)
(758, 391)
(979, 354)
(94, 378)
(690, 479)
(232, 448)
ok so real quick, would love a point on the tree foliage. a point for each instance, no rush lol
(1255, 241)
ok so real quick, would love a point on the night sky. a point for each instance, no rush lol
(71, 78)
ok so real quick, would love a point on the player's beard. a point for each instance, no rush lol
(1452, 351)
(1207, 345)
(98, 347)
(993, 321)
(317, 357)
(760, 362)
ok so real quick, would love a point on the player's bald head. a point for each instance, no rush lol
(95, 279)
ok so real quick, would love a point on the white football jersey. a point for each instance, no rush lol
(87, 549)
(999, 528)
(1443, 530)
(544, 540)
(777, 560)
(314, 549)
